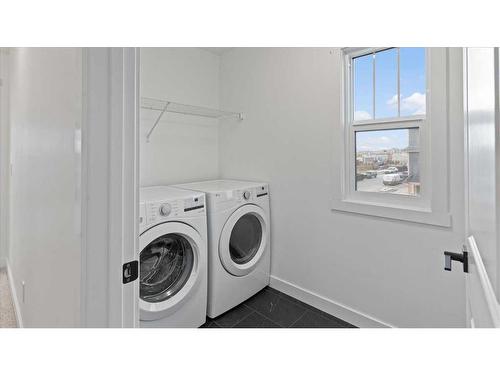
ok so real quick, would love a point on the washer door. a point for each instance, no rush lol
(169, 268)
(243, 240)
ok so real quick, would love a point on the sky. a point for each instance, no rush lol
(412, 100)
(381, 140)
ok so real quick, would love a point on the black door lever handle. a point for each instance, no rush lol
(449, 257)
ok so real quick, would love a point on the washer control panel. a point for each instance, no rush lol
(157, 211)
(153, 212)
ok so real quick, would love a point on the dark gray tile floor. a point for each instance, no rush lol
(272, 309)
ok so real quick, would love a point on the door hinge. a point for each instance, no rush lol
(130, 271)
(463, 258)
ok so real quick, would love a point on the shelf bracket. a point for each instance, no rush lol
(156, 122)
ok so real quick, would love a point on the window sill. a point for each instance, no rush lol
(405, 213)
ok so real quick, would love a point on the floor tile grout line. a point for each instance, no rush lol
(251, 308)
(255, 311)
(300, 317)
(328, 316)
(292, 300)
(281, 326)
(246, 316)
(277, 293)
(309, 307)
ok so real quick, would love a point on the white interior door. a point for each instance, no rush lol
(482, 186)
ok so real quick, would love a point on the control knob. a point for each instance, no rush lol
(165, 209)
(246, 195)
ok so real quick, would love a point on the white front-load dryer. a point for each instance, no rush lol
(173, 258)
(239, 254)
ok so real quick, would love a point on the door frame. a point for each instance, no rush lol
(110, 185)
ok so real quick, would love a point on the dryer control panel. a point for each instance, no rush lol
(241, 196)
(251, 194)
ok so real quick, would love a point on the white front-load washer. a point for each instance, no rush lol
(239, 254)
(173, 258)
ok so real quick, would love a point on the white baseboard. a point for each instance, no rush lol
(15, 300)
(329, 306)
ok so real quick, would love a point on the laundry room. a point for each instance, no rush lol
(246, 187)
(227, 122)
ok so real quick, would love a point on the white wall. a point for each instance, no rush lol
(45, 113)
(4, 156)
(182, 148)
(389, 270)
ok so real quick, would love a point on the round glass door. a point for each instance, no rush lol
(165, 267)
(245, 239)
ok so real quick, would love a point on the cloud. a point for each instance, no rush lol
(413, 104)
(362, 115)
(393, 102)
(379, 140)
(376, 143)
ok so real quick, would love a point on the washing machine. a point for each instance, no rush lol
(238, 241)
(173, 258)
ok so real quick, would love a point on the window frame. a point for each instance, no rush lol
(428, 207)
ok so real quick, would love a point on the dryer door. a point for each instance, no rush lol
(169, 268)
(244, 239)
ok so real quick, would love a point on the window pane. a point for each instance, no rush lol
(412, 81)
(386, 83)
(363, 87)
(387, 161)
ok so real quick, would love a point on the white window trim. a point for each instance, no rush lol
(431, 207)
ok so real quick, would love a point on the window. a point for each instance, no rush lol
(388, 84)
(385, 167)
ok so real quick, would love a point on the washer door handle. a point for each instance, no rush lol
(130, 271)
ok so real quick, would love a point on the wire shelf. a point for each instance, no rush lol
(163, 106)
